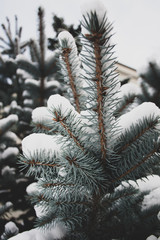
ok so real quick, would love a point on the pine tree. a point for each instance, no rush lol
(12, 85)
(11, 45)
(28, 82)
(15, 94)
(39, 72)
(82, 156)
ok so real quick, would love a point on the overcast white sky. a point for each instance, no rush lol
(136, 24)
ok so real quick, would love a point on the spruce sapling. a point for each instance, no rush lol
(82, 156)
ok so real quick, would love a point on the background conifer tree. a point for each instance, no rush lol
(83, 157)
(58, 26)
(39, 72)
(25, 84)
(150, 84)
(12, 182)
(11, 45)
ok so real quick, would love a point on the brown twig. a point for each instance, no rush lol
(135, 138)
(135, 166)
(41, 126)
(95, 38)
(57, 184)
(34, 163)
(65, 54)
(42, 52)
(61, 121)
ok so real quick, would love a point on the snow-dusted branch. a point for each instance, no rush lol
(70, 66)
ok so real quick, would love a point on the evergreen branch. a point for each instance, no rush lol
(9, 27)
(33, 162)
(77, 169)
(123, 196)
(51, 65)
(57, 184)
(149, 126)
(20, 32)
(72, 161)
(118, 195)
(129, 100)
(7, 34)
(96, 39)
(59, 203)
(150, 212)
(40, 126)
(72, 203)
(2, 39)
(7, 123)
(28, 66)
(67, 129)
(34, 47)
(137, 165)
(39, 164)
(65, 54)
(16, 25)
(67, 217)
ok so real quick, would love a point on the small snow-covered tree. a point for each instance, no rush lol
(83, 156)
(12, 85)
(28, 82)
(39, 72)
(11, 45)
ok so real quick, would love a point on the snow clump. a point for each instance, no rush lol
(38, 143)
(144, 110)
(59, 104)
(41, 115)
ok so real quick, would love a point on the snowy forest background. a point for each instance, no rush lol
(30, 73)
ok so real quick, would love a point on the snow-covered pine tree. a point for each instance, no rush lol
(12, 85)
(11, 45)
(150, 84)
(12, 182)
(83, 158)
(39, 72)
